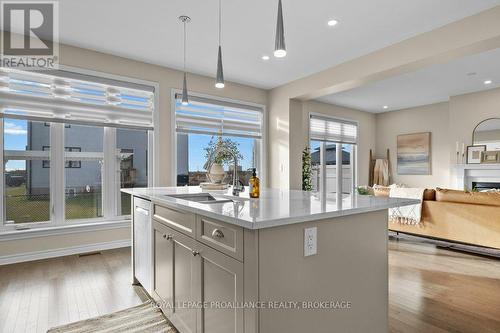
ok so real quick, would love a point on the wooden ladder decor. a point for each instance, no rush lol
(372, 166)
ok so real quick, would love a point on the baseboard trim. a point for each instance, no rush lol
(53, 253)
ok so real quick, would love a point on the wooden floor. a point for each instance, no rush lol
(37, 295)
(438, 290)
(431, 290)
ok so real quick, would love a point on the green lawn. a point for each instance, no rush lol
(20, 208)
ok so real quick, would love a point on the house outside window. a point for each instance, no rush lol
(68, 164)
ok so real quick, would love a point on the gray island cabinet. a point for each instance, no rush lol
(287, 262)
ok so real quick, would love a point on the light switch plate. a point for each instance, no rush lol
(310, 241)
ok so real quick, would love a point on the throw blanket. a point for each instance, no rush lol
(381, 172)
(407, 214)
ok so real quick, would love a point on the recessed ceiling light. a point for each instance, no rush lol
(332, 23)
(265, 57)
(385, 107)
(488, 82)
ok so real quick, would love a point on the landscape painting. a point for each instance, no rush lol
(414, 154)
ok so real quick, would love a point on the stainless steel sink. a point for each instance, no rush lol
(204, 198)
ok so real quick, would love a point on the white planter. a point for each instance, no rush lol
(216, 173)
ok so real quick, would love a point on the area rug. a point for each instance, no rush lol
(141, 318)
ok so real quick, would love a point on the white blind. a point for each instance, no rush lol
(207, 116)
(75, 98)
(333, 130)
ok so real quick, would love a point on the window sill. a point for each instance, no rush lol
(12, 234)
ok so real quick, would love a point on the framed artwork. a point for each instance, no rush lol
(492, 156)
(474, 154)
(414, 154)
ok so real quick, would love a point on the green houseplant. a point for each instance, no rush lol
(306, 170)
(224, 157)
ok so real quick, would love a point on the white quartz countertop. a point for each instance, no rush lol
(273, 208)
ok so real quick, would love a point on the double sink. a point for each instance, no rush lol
(203, 198)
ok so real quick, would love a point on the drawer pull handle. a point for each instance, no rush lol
(168, 237)
(142, 211)
(217, 233)
(195, 253)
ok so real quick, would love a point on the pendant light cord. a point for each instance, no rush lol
(220, 21)
(184, 47)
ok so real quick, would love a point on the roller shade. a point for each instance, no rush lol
(69, 98)
(212, 117)
(332, 130)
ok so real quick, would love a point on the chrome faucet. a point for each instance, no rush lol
(237, 184)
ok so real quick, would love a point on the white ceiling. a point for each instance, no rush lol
(430, 85)
(149, 31)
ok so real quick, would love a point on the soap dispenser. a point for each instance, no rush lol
(254, 183)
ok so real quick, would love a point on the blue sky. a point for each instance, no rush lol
(15, 138)
(197, 142)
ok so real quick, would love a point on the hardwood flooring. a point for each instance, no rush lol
(438, 290)
(37, 295)
(430, 290)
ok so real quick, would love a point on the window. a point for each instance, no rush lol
(66, 160)
(133, 159)
(26, 192)
(203, 123)
(83, 186)
(333, 155)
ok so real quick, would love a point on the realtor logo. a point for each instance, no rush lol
(30, 34)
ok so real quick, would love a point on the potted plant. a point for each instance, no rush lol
(306, 170)
(216, 173)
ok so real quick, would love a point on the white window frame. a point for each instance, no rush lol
(261, 149)
(354, 157)
(57, 183)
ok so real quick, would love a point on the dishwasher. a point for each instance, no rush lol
(142, 254)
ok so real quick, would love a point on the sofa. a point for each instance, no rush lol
(458, 216)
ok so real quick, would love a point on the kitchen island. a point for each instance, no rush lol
(289, 261)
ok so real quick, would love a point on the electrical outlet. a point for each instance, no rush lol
(310, 241)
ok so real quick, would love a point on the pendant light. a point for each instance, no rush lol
(279, 45)
(219, 83)
(185, 100)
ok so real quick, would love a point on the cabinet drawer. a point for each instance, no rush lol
(222, 236)
(176, 219)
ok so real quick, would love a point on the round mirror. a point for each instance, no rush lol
(487, 133)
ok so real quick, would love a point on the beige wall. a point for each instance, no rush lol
(430, 118)
(472, 35)
(367, 131)
(448, 122)
(290, 134)
(466, 111)
(167, 80)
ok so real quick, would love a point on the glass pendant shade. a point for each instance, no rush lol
(279, 45)
(219, 83)
(185, 100)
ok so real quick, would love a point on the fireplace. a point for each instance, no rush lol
(481, 186)
(478, 176)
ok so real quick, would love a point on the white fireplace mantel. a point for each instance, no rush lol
(468, 173)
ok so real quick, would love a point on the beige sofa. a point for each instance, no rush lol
(466, 217)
